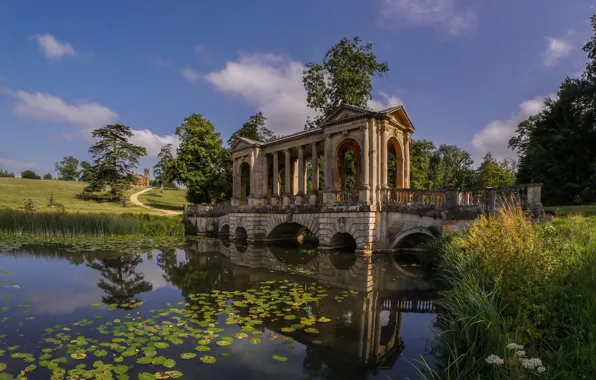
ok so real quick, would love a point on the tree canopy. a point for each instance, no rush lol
(68, 169)
(48, 176)
(492, 173)
(86, 174)
(253, 129)
(202, 164)
(6, 174)
(114, 159)
(29, 174)
(164, 170)
(344, 76)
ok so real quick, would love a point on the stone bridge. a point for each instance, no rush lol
(364, 202)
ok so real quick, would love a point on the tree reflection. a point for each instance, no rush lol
(120, 281)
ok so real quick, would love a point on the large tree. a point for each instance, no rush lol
(421, 154)
(344, 76)
(492, 173)
(202, 164)
(68, 168)
(253, 129)
(30, 174)
(86, 174)
(114, 159)
(556, 147)
(164, 170)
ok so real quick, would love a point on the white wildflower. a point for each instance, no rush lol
(494, 359)
(531, 363)
(540, 369)
(515, 346)
(520, 353)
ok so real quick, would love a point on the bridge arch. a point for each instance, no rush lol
(420, 232)
(343, 240)
(240, 233)
(288, 226)
(224, 229)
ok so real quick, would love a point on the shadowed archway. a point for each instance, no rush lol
(343, 241)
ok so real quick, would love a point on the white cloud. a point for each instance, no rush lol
(52, 48)
(494, 137)
(386, 102)
(557, 49)
(190, 74)
(444, 15)
(43, 106)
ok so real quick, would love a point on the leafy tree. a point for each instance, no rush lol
(48, 176)
(29, 174)
(453, 167)
(343, 77)
(253, 129)
(492, 173)
(86, 173)
(421, 153)
(164, 170)
(202, 162)
(114, 159)
(68, 169)
(6, 174)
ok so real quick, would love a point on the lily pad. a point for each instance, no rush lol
(161, 345)
(255, 340)
(146, 376)
(316, 342)
(202, 348)
(120, 369)
(169, 363)
(79, 356)
(188, 355)
(280, 358)
(208, 359)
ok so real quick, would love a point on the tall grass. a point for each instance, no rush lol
(512, 281)
(87, 224)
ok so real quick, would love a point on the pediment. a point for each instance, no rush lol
(401, 117)
(242, 143)
(345, 112)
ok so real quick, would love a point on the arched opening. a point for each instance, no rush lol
(281, 175)
(348, 155)
(240, 233)
(292, 232)
(343, 241)
(395, 164)
(224, 230)
(413, 242)
(343, 260)
(244, 180)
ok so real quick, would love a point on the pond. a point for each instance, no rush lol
(211, 310)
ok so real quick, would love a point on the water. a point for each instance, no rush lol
(361, 318)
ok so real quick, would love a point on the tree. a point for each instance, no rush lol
(29, 174)
(253, 129)
(421, 153)
(343, 77)
(68, 169)
(453, 167)
(114, 159)
(202, 162)
(48, 177)
(492, 173)
(86, 173)
(164, 170)
(6, 174)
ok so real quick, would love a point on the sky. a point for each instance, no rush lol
(466, 71)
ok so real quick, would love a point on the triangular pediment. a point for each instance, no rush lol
(344, 112)
(400, 115)
(242, 143)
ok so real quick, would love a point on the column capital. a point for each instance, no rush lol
(287, 150)
(314, 144)
(301, 148)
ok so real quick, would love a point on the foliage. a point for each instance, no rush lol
(68, 169)
(202, 164)
(48, 177)
(253, 129)
(343, 77)
(170, 199)
(87, 225)
(29, 174)
(86, 173)
(492, 173)
(114, 159)
(432, 168)
(6, 174)
(29, 205)
(164, 170)
(510, 280)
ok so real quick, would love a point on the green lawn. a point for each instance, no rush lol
(173, 200)
(13, 191)
(586, 210)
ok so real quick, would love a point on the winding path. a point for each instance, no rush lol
(134, 198)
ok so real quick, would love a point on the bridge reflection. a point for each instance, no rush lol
(365, 331)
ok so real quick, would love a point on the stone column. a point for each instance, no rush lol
(294, 177)
(407, 161)
(275, 181)
(384, 157)
(364, 194)
(329, 195)
(301, 176)
(373, 168)
(265, 175)
(288, 177)
(314, 165)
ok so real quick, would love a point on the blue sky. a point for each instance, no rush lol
(466, 71)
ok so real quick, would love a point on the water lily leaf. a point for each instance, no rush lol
(255, 340)
(280, 358)
(202, 348)
(208, 359)
(169, 363)
(316, 342)
(100, 353)
(2, 367)
(120, 369)
(146, 376)
(78, 356)
(311, 330)
(122, 376)
(223, 343)
(289, 317)
(96, 304)
(324, 319)
(288, 329)
(6, 376)
(30, 368)
(118, 359)
(225, 354)
(161, 345)
(188, 355)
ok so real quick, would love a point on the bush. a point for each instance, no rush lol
(29, 174)
(48, 177)
(511, 281)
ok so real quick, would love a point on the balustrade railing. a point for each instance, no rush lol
(348, 196)
(394, 195)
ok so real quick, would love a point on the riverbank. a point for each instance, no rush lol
(521, 300)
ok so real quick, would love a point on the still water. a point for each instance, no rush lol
(212, 310)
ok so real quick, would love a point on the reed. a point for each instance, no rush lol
(87, 224)
(511, 282)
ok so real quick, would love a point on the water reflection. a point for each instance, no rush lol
(380, 322)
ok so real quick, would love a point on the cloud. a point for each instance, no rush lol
(190, 74)
(52, 48)
(202, 53)
(557, 49)
(443, 15)
(43, 106)
(494, 137)
(6, 163)
(388, 101)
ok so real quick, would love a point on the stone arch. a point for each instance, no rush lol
(414, 231)
(244, 173)
(348, 143)
(240, 233)
(224, 229)
(308, 221)
(395, 174)
(343, 240)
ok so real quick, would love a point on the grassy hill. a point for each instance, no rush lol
(13, 191)
(171, 199)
